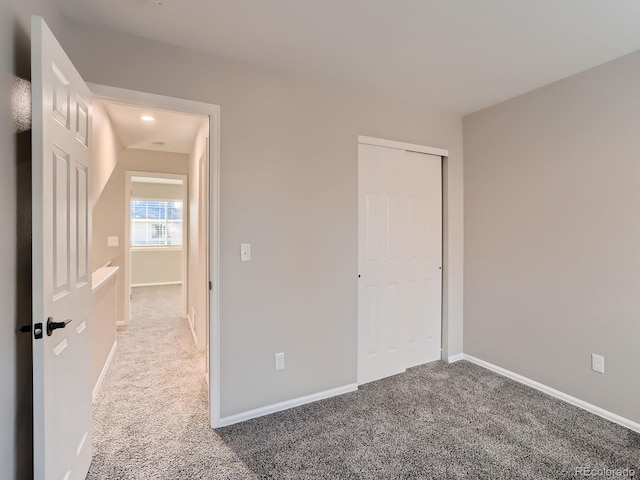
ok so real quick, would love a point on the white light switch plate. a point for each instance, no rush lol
(112, 241)
(245, 252)
(280, 361)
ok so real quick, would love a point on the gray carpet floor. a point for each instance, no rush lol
(436, 421)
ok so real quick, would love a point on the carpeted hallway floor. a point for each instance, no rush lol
(436, 421)
(150, 417)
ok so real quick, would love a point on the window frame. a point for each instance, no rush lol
(165, 222)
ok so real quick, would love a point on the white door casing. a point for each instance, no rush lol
(61, 261)
(400, 260)
(203, 248)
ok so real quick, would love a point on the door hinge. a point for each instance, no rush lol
(210, 286)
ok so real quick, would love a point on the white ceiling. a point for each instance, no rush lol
(176, 131)
(458, 55)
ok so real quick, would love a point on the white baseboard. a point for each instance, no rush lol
(158, 284)
(277, 407)
(193, 331)
(105, 367)
(625, 422)
(455, 358)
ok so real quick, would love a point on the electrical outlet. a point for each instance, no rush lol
(280, 361)
(245, 252)
(597, 363)
(112, 241)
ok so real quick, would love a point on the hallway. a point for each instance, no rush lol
(150, 416)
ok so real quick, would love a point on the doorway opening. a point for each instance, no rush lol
(157, 245)
(163, 171)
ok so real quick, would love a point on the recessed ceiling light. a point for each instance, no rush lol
(147, 118)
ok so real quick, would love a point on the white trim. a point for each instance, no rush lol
(193, 331)
(412, 147)
(154, 199)
(101, 276)
(192, 313)
(214, 270)
(295, 402)
(158, 284)
(156, 181)
(601, 412)
(158, 248)
(455, 358)
(151, 100)
(105, 367)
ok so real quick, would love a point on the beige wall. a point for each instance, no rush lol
(109, 211)
(160, 265)
(157, 191)
(288, 187)
(103, 328)
(105, 151)
(552, 262)
(16, 439)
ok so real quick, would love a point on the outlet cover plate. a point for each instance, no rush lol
(597, 363)
(245, 252)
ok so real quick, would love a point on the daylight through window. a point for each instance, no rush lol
(156, 223)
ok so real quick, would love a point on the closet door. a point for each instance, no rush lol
(400, 260)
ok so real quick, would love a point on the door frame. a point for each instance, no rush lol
(149, 100)
(443, 154)
(127, 237)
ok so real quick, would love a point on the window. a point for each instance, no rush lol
(156, 223)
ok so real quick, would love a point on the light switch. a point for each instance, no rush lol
(245, 252)
(112, 241)
(280, 361)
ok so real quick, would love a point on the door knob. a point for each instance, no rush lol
(51, 325)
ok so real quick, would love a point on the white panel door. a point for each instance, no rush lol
(61, 262)
(400, 260)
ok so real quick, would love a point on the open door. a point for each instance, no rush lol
(61, 262)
